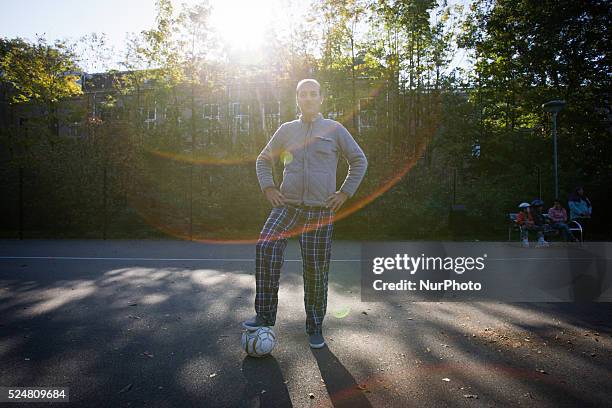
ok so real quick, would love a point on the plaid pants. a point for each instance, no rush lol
(315, 227)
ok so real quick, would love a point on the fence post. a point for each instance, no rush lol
(539, 183)
(21, 202)
(191, 200)
(454, 186)
(104, 211)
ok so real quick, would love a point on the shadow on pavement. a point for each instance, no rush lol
(342, 388)
(265, 383)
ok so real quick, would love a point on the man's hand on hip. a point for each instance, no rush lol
(336, 200)
(274, 196)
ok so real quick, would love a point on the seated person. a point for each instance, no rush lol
(558, 220)
(580, 208)
(526, 223)
(539, 220)
(579, 205)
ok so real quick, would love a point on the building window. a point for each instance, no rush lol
(335, 111)
(211, 111)
(240, 116)
(367, 113)
(211, 118)
(74, 129)
(169, 114)
(271, 116)
(150, 117)
(335, 114)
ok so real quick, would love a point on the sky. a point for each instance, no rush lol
(65, 19)
(241, 22)
(72, 19)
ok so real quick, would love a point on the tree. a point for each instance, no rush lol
(39, 74)
(529, 52)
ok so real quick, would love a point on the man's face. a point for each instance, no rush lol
(557, 205)
(309, 99)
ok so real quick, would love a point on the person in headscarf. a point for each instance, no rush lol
(579, 205)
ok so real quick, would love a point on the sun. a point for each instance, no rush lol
(242, 24)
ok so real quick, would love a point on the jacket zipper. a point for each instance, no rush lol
(304, 167)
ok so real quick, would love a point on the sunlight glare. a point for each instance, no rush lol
(242, 23)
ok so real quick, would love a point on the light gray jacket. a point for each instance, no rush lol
(310, 152)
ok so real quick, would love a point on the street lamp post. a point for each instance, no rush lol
(554, 107)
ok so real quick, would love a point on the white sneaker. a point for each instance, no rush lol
(525, 243)
(542, 243)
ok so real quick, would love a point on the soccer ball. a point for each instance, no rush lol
(260, 342)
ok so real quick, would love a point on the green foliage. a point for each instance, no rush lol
(38, 72)
(393, 55)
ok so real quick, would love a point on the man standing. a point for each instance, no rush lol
(306, 202)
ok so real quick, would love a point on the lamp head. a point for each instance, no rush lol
(553, 106)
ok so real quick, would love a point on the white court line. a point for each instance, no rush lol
(84, 258)
(79, 258)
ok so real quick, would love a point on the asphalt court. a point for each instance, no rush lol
(157, 323)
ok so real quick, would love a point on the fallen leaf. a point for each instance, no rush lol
(126, 388)
(212, 375)
(446, 379)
